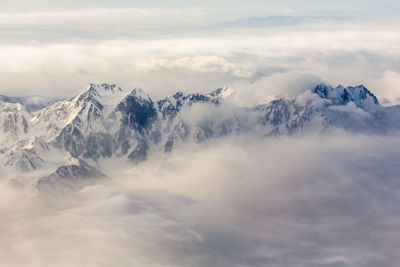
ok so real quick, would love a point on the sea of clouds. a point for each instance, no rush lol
(330, 200)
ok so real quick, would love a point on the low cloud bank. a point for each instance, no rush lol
(299, 201)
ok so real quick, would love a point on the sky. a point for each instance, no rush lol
(55, 48)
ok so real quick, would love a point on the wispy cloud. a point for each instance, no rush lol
(338, 52)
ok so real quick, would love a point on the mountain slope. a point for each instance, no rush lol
(14, 123)
(105, 121)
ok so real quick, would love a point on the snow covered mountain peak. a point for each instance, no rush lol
(105, 94)
(104, 87)
(340, 95)
(106, 121)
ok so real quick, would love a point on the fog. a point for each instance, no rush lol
(314, 200)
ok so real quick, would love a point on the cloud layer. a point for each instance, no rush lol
(328, 201)
(164, 49)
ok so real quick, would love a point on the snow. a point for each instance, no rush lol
(94, 112)
(57, 116)
(14, 123)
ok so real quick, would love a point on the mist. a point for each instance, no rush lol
(330, 200)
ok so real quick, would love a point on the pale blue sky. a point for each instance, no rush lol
(369, 7)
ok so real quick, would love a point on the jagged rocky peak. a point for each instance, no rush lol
(95, 101)
(105, 94)
(340, 95)
(137, 109)
(171, 105)
(104, 87)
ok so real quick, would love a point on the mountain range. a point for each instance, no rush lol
(63, 141)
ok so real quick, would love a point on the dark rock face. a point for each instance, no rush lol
(136, 113)
(139, 153)
(277, 112)
(139, 123)
(180, 131)
(94, 146)
(171, 106)
(24, 160)
(342, 96)
(99, 146)
(322, 90)
(71, 139)
(365, 93)
(69, 178)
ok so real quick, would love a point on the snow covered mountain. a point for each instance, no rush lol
(31, 103)
(14, 122)
(68, 138)
(353, 109)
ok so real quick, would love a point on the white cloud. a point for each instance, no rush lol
(339, 53)
(235, 202)
(353, 110)
(210, 64)
(389, 86)
(287, 85)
